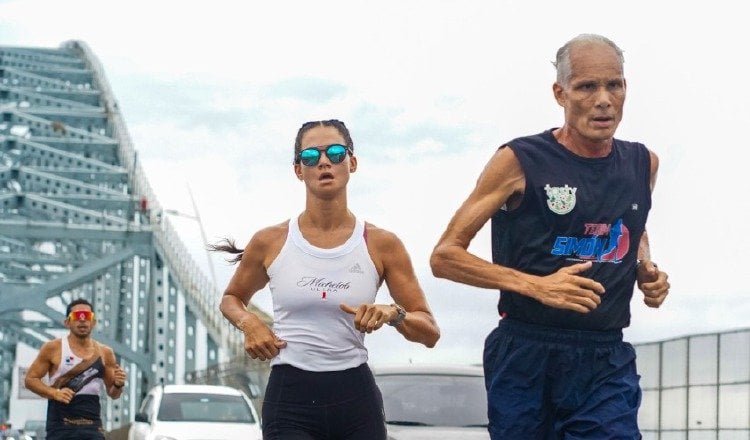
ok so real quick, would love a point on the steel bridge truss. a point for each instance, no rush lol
(79, 219)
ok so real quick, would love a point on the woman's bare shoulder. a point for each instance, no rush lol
(270, 235)
(381, 238)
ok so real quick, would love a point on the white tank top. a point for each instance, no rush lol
(70, 360)
(307, 285)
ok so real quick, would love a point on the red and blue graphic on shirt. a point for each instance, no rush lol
(600, 242)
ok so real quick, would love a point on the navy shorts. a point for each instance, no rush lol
(548, 383)
(330, 405)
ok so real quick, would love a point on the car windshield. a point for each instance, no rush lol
(433, 400)
(201, 407)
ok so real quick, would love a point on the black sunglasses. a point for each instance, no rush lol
(310, 157)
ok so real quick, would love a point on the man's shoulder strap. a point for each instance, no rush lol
(84, 365)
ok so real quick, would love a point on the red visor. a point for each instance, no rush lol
(81, 315)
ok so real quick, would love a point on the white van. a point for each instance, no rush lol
(195, 412)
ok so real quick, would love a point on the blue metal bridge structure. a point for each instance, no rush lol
(78, 219)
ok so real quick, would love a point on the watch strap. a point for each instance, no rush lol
(400, 317)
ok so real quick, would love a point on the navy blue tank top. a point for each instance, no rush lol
(575, 209)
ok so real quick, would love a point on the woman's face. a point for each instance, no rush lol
(325, 177)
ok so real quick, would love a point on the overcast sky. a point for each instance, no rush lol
(213, 95)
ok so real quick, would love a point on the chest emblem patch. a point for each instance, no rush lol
(560, 199)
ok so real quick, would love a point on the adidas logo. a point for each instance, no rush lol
(355, 269)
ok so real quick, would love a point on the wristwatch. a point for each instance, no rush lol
(639, 263)
(400, 317)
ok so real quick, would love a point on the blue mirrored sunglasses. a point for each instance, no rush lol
(310, 157)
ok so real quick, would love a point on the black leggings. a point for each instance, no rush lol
(331, 405)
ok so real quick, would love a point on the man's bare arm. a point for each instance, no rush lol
(41, 367)
(114, 375)
(651, 280)
(502, 180)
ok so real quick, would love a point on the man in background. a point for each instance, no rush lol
(78, 369)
